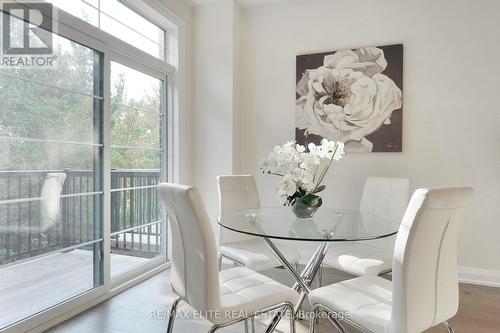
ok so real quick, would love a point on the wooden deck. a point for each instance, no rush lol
(32, 286)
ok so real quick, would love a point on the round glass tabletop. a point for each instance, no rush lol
(326, 225)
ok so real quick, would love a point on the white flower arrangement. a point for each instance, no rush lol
(302, 172)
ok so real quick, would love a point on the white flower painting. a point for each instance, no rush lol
(353, 96)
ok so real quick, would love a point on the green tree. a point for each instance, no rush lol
(33, 105)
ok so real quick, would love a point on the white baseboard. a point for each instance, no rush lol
(484, 277)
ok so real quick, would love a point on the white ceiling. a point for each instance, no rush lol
(243, 3)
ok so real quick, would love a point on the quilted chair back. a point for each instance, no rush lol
(425, 284)
(194, 268)
(236, 192)
(388, 198)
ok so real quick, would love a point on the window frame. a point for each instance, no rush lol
(170, 71)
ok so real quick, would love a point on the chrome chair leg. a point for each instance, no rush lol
(282, 308)
(246, 325)
(313, 321)
(320, 277)
(337, 324)
(213, 328)
(220, 262)
(387, 271)
(448, 326)
(171, 315)
(292, 323)
(252, 325)
(316, 308)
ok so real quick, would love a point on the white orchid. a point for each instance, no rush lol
(288, 187)
(310, 162)
(302, 172)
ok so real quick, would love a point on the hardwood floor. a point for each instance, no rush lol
(143, 308)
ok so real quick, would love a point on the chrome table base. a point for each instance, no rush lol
(303, 280)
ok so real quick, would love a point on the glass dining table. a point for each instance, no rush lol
(325, 227)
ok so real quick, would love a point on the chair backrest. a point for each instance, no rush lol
(194, 269)
(50, 205)
(385, 196)
(236, 192)
(425, 283)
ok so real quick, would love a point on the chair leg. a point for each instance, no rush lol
(292, 321)
(171, 315)
(387, 271)
(246, 325)
(337, 324)
(213, 328)
(220, 262)
(252, 324)
(320, 277)
(448, 326)
(313, 322)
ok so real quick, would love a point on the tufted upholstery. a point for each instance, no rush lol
(236, 192)
(242, 289)
(194, 275)
(424, 291)
(385, 196)
(240, 192)
(381, 196)
(359, 258)
(425, 282)
(367, 300)
(256, 254)
(194, 268)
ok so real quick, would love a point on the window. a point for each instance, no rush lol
(51, 188)
(120, 21)
(137, 155)
(84, 144)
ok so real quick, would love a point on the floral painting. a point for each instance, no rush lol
(353, 96)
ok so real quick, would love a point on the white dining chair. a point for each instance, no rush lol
(382, 197)
(240, 192)
(226, 297)
(50, 205)
(424, 288)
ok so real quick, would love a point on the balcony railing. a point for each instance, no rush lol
(135, 213)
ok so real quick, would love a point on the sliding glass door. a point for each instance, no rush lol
(51, 181)
(138, 128)
(83, 145)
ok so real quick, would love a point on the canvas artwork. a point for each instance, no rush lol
(354, 96)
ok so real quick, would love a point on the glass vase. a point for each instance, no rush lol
(302, 210)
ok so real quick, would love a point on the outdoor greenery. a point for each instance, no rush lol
(134, 123)
(60, 104)
(57, 104)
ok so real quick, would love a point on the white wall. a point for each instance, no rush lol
(179, 11)
(213, 94)
(451, 90)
